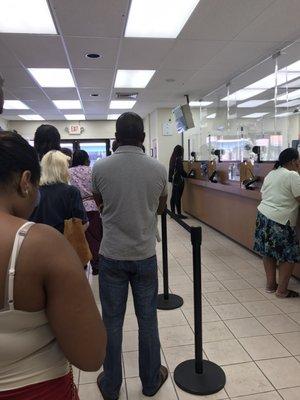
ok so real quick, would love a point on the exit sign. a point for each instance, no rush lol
(75, 130)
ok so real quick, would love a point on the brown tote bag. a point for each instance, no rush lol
(75, 234)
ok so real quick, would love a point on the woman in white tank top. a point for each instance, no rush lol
(48, 316)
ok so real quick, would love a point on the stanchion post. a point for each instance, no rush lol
(166, 301)
(198, 376)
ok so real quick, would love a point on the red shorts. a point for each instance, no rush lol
(56, 389)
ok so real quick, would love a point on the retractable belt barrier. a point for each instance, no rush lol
(196, 376)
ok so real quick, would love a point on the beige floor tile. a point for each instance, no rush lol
(208, 315)
(232, 311)
(226, 275)
(131, 364)
(261, 308)
(262, 396)
(176, 336)
(130, 341)
(291, 341)
(219, 298)
(246, 327)
(134, 388)
(226, 352)
(245, 379)
(130, 323)
(291, 393)
(211, 287)
(208, 277)
(295, 316)
(288, 305)
(263, 347)
(279, 323)
(89, 377)
(90, 391)
(176, 355)
(282, 372)
(248, 295)
(236, 284)
(76, 373)
(215, 331)
(171, 318)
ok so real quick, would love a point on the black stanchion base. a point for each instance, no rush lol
(212, 380)
(171, 303)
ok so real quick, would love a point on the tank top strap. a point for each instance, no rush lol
(19, 238)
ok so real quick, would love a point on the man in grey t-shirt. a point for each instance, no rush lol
(133, 189)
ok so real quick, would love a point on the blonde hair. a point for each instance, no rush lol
(55, 168)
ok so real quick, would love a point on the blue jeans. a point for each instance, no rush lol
(114, 277)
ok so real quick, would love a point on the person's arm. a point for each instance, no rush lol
(295, 186)
(71, 309)
(77, 207)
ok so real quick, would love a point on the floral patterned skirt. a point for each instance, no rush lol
(276, 241)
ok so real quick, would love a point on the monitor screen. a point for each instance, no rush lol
(183, 118)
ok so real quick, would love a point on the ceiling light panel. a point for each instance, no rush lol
(32, 117)
(292, 103)
(113, 117)
(26, 16)
(242, 94)
(67, 104)
(252, 103)
(286, 114)
(53, 77)
(133, 78)
(157, 18)
(211, 116)
(255, 115)
(122, 104)
(200, 103)
(14, 105)
(289, 96)
(75, 117)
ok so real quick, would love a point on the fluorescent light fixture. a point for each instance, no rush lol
(211, 116)
(200, 103)
(286, 114)
(75, 117)
(242, 94)
(255, 115)
(32, 117)
(113, 117)
(292, 103)
(67, 104)
(252, 103)
(157, 18)
(295, 94)
(122, 104)
(53, 77)
(14, 105)
(127, 78)
(26, 16)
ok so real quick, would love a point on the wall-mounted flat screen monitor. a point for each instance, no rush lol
(183, 117)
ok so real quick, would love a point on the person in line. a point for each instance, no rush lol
(81, 177)
(176, 177)
(59, 201)
(132, 188)
(46, 138)
(48, 315)
(275, 235)
(69, 153)
(1, 97)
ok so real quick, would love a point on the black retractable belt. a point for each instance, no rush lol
(198, 376)
(166, 301)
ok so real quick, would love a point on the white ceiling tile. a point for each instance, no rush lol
(143, 53)
(93, 18)
(94, 78)
(9, 95)
(192, 54)
(16, 78)
(29, 94)
(43, 106)
(78, 47)
(97, 117)
(180, 77)
(95, 107)
(61, 93)
(279, 22)
(222, 19)
(53, 117)
(85, 94)
(37, 51)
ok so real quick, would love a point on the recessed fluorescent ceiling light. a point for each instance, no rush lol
(133, 78)
(75, 117)
(113, 116)
(32, 117)
(295, 94)
(122, 104)
(252, 103)
(26, 16)
(286, 114)
(255, 115)
(67, 104)
(211, 116)
(158, 18)
(14, 105)
(200, 103)
(53, 77)
(292, 103)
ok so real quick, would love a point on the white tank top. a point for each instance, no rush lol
(29, 352)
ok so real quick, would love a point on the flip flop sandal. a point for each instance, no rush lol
(269, 290)
(290, 294)
(163, 377)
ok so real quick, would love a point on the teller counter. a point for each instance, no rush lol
(225, 206)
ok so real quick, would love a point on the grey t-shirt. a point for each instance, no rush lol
(130, 184)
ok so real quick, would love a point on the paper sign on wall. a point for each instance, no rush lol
(167, 129)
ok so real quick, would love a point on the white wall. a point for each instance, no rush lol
(3, 124)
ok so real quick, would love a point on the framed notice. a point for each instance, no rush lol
(167, 129)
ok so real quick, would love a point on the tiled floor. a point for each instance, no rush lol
(253, 335)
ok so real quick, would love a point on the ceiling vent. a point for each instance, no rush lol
(126, 96)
